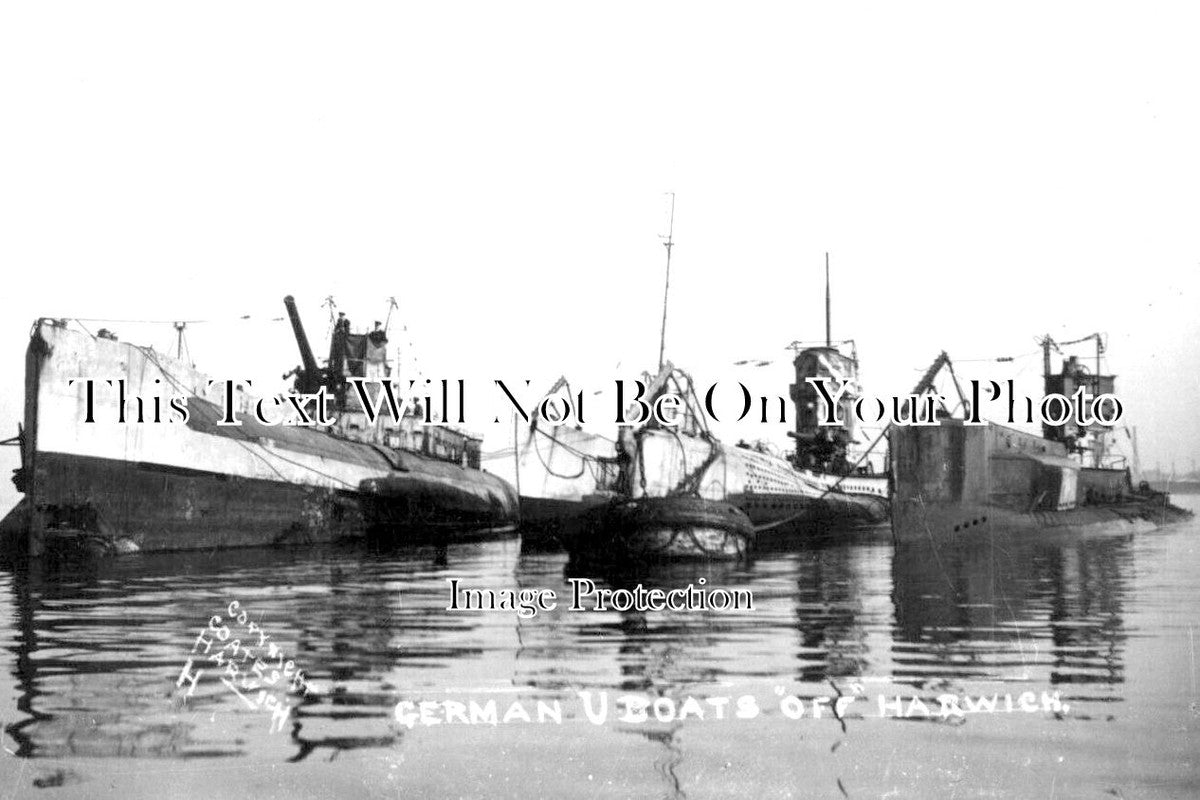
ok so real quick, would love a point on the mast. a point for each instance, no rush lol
(828, 336)
(1046, 343)
(662, 340)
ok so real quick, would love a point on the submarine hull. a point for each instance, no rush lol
(112, 469)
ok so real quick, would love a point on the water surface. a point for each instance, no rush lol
(90, 701)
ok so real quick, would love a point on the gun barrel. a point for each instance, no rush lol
(306, 354)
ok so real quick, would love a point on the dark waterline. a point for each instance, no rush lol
(92, 654)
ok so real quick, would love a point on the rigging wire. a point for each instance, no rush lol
(241, 438)
(242, 318)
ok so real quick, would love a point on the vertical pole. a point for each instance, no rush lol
(828, 335)
(1046, 363)
(1098, 451)
(517, 455)
(1047, 430)
(662, 341)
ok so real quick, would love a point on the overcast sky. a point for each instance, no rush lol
(978, 176)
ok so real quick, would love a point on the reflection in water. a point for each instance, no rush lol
(831, 584)
(663, 655)
(93, 651)
(1006, 609)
